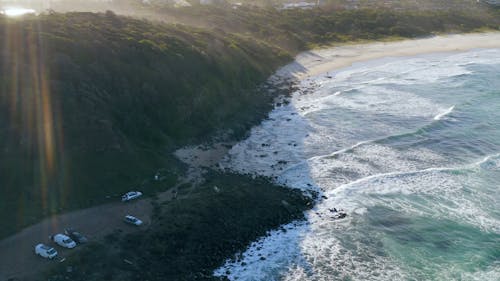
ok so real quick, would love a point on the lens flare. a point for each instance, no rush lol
(15, 11)
(32, 114)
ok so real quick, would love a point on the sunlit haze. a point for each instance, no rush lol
(14, 12)
(249, 140)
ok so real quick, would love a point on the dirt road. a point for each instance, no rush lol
(18, 260)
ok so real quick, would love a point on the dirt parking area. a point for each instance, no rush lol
(17, 253)
(18, 261)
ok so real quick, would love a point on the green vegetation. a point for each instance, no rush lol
(92, 105)
(295, 30)
(191, 236)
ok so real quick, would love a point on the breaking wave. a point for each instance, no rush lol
(409, 148)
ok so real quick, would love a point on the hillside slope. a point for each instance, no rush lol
(92, 104)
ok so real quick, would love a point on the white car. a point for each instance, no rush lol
(63, 241)
(131, 195)
(45, 251)
(132, 220)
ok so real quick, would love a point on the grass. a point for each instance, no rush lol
(80, 189)
(191, 236)
(125, 93)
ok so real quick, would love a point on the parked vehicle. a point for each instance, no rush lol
(45, 251)
(75, 235)
(63, 241)
(132, 220)
(131, 195)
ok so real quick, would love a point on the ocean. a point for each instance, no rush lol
(409, 148)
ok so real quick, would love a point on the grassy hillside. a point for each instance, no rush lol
(93, 104)
(296, 29)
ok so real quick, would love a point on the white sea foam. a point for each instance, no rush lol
(313, 251)
(347, 140)
(445, 113)
(491, 273)
(490, 162)
(295, 132)
(440, 190)
(268, 258)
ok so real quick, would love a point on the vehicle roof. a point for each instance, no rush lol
(43, 246)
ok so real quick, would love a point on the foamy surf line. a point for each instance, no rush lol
(441, 115)
(294, 252)
(345, 56)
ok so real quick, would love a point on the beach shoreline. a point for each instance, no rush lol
(316, 65)
(315, 62)
(263, 149)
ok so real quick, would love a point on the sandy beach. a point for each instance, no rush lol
(315, 62)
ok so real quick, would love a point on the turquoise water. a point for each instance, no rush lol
(410, 148)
